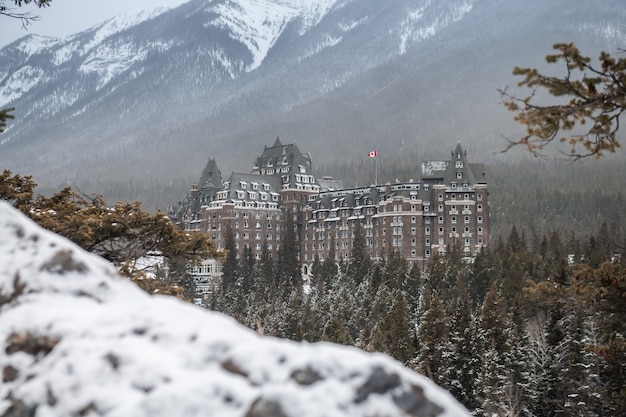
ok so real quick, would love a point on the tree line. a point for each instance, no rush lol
(532, 326)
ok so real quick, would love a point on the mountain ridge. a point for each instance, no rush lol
(408, 78)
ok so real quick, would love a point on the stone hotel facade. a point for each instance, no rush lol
(448, 204)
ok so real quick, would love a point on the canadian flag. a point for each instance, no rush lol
(372, 154)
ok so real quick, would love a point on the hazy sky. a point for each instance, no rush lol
(65, 17)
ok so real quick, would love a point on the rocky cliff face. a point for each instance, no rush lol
(78, 340)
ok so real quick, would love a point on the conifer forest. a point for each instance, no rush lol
(532, 326)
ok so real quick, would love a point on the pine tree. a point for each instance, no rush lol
(360, 261)
(393, 335)
(461, 365)
(5, 114)
(288, 263)
(335, 331)
(434, 332)
(493, 347)
(230, 269)
(247, 270)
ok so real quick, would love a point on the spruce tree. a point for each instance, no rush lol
(230, 269)
(461, 364)
(434, 333)
(360, 261)
(288, 263)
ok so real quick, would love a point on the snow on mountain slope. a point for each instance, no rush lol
(259, 23)
(20, 82)
(76, 339)
(424, 20)
(119, 24)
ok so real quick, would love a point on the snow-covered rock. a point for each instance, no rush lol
(78, 340)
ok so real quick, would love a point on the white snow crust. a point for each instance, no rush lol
(77, 339)
(259, 23)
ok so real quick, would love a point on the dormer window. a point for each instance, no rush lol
(459, 175)
(243, 185)
(459, 164)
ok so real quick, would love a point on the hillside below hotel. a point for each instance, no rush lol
(448, 205)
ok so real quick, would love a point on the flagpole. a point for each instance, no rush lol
(376, 169)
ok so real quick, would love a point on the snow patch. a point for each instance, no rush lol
(118, 24)
(429, 18)
(20, 82)
(348, 26)
(33, 44)
(327, 42)
(259, 23)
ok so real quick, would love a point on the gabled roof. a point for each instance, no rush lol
(241, 186)
(283, 161)
(456, 170)
(211, 176)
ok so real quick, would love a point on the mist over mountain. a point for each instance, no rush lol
(148, 97)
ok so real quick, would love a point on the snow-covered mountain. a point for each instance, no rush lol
(150, 96)
(76, 339)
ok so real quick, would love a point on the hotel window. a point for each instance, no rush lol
(479, 207)
(479, 219)
(480, 197)
(440, 197)
(453, 219)
(440, 219)
(466, 219)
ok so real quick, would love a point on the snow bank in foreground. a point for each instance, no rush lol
(77, 340)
